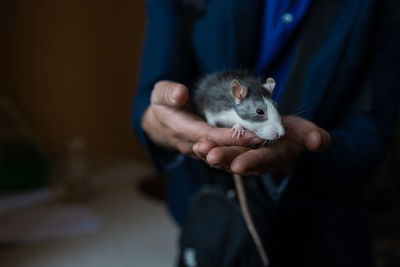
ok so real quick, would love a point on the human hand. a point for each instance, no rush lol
(169, 123)
(279, 156)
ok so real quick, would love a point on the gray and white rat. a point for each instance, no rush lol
(239, 100)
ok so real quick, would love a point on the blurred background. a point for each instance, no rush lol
(70, 167)
(72, 176)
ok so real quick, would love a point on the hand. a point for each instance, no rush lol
(169, 123)
(279, 156)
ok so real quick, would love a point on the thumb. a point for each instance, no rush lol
(317, 140)
(169, 94)
(307, 134)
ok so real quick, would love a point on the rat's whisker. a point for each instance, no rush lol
(279, 94)
(300, 110)
(286, 120)
(265, 141)
(297, 110)
(290, 117)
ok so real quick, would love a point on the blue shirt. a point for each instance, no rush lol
(281, 19)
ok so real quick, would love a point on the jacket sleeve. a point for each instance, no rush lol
(164, 55)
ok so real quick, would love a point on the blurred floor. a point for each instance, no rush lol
(137, 231)
(134, 230)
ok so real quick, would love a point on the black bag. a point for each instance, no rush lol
(215, 233)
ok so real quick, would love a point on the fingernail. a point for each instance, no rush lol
(174, 94)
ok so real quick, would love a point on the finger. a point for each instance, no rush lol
(224, 155)
(169, 94)
(202, 148)
(199, 130)
(252, 160)
(185, 148)
(194, 128)
(224, 137)
(307, 134)
(318, 140)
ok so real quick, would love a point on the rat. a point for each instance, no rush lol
(240, 101)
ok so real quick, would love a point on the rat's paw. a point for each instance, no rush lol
(237, 130)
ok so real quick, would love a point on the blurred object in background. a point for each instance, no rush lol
(19, 199)
(117, 226)
(43, 222)
(70, 67)
(23, 162)
(154, 187)
(26, 212)
(75, 180)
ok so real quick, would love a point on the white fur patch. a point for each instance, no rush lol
(269, 130)
(225, 118)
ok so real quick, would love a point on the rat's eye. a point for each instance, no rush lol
(260, 111)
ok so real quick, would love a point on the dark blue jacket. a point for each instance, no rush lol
(345, 77)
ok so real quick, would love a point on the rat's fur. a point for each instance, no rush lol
(214, 101)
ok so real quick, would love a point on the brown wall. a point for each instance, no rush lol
(71, 68)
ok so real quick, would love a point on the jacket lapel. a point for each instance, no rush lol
(314, 31)
(328, 29)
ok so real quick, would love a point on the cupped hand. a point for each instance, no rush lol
(276, 156)
(169, 123)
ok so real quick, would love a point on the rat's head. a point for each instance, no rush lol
(255, 107)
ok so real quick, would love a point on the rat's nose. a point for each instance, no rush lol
(279, 132)
(278, 135)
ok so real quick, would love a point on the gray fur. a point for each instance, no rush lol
(213, 93)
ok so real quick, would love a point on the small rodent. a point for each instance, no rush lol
(239, 100)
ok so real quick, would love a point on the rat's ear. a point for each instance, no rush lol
(269, 85)
(238, 91)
